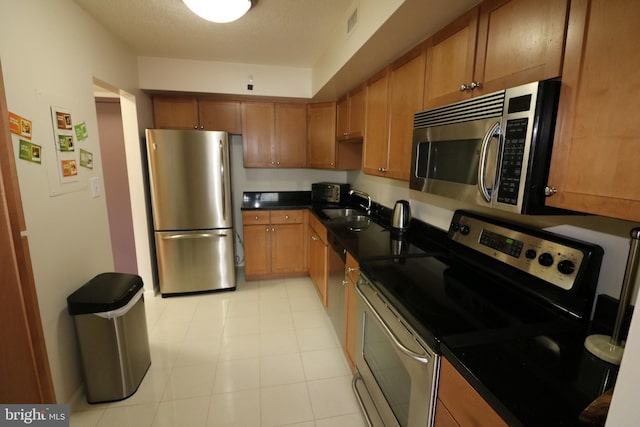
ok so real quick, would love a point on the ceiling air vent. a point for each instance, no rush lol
(353, 20)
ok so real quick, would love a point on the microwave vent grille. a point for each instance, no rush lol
(482, 107)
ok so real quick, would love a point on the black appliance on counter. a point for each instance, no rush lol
(329, 192)
(506, 304)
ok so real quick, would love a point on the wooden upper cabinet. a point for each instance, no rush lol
(519, 41)
(406, 87)
(258, 134)
(450, 61)
(351, 115)
(376, 137)
(321, 144)
(175, 112)
(596, 150)
(499, 44)
(290, 148)
(220, 115)
(393, 97)
(172, 112)
(274, 135)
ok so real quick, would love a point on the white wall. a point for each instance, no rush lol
(50, 53)
(217, 77)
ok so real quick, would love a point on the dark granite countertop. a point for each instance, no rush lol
(498, 370)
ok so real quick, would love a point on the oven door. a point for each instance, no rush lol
(396, 372)
(458, 161)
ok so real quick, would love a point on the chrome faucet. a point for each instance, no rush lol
(364, 196)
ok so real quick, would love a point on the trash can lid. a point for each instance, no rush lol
(105, 292)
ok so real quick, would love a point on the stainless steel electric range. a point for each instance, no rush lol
(508, 305)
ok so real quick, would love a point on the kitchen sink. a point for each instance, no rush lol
(333, 213)
(355, 219)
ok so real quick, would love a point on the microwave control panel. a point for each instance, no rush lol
(511, 166)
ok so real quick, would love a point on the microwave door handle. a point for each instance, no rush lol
(482, 166)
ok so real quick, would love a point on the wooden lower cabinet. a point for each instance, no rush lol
(318, 257)
(459, 404)
(274, 243)
(352, 272)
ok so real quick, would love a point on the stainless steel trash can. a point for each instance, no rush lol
(111, 327)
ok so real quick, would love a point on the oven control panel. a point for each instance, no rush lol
(544, 255)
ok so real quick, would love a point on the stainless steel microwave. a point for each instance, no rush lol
(493, 150)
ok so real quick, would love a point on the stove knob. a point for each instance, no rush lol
(530, 254)
(566, 267)
(455, 226)
(546, 259)
(464, 230)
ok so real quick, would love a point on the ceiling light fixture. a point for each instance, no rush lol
(220, 11)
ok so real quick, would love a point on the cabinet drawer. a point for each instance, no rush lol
(287, 217)
(255, 217)
(318, 228)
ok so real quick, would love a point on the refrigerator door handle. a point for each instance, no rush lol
(224, 191)
(193, 236)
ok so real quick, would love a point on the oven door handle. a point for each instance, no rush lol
(421, 358)
(482, 166)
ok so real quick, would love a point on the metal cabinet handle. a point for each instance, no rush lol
(464, 87)
(351, 269)
(345, 282)
(257, 217)
(286, 217)
(475, 85)
(550, 191)
(315, 238)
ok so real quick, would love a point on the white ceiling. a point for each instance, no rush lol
(290, 33)
(274, 32)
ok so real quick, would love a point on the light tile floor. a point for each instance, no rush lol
(263, 355)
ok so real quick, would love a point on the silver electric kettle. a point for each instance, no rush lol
(401, 216)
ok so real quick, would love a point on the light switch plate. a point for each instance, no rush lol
(94, 185)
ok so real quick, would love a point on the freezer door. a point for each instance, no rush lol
(190, 179)
(195, 261)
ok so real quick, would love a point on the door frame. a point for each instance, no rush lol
(24, 365)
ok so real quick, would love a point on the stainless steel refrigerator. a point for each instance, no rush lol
(192, 213)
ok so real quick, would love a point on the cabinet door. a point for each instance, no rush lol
(406, 84)
(342, 119)
(463, 402)
(596, 151)
(321, 142)
(258, 119)
(351, 115)
(519, 41)
(443, 417)
(357, 110)
(290, 135)
(287, 248)
(220, 115)
(374, 160)
(450, 61)
(257, 243)
(175, 112)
